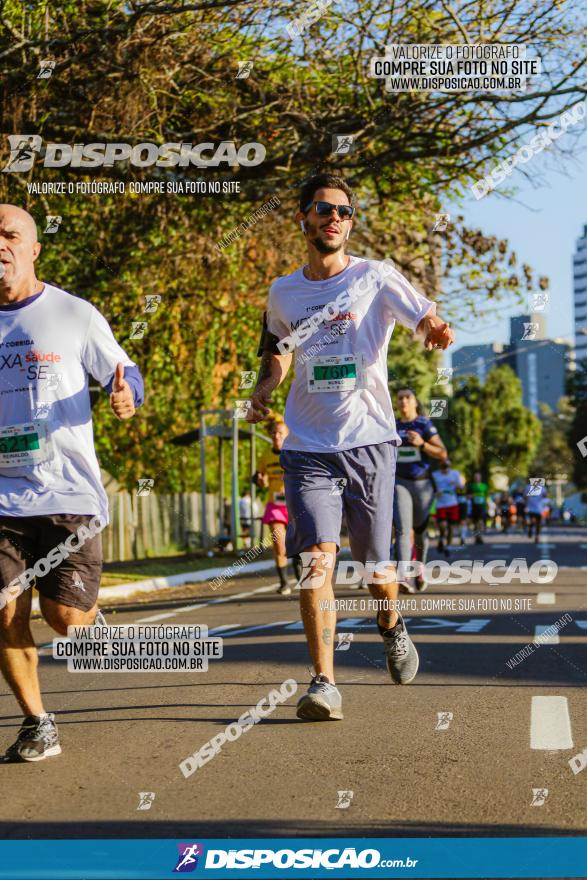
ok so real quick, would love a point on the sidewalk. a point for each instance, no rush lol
(148, 585)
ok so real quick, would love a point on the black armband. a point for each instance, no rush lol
(268, 341)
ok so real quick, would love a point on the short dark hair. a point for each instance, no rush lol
(323, 181)
(414, 395)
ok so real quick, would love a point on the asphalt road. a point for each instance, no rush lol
(411, 771)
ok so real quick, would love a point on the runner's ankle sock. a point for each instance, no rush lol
(282, 574)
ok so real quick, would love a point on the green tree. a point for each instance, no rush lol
(489, 428)
(511, 433)
(554, 456)
(462, 432)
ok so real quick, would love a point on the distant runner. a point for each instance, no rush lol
(270, 476)
(536, 504)
(337, 314)
(414, 489)
(479, 492)
(448, 481)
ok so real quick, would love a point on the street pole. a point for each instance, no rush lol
(203, 524)
(235, 519)
(253, 486)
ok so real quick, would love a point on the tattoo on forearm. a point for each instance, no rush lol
(265, 368)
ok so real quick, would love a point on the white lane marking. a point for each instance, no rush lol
(155, 617)
(543, 550)
(500, 546)
(474, 625)
(341, 625)
(551, 639)
(550, 725)
(582, 624)
(186, 608)
(249, 629)
(546, 598)
(355, 623)
(222, 629)
(583, 546)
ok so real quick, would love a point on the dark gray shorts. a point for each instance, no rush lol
(316, 497)
(24, 540)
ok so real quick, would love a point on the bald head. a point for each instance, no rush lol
(20, 218)
(19, 248)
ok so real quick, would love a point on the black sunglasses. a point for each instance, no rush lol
(323, 209)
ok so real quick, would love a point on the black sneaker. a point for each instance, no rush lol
(37, 739)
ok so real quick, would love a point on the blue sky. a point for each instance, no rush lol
(542, 224)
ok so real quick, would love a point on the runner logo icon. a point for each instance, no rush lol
(338, 485)
(344, 641)
(145, 486)
(444, 719)
(188, 857)
(53, 223)
(23, 149)
(344, 799)
(314, 568)
(146, 799)
(77, 582)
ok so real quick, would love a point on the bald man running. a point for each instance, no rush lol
(52, 502)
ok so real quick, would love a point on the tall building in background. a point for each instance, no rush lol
(476, 360)
(580, 296)
(540, 363)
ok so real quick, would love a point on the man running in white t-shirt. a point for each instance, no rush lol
(337, 314)
(536, 499)
(448, 481)
(52, 502)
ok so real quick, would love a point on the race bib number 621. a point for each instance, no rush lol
(25, 445)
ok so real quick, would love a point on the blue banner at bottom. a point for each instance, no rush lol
(537, 857)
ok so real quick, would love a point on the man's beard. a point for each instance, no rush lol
(324, 248)
(321, 246)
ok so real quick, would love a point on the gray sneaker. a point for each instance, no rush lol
(323, 701)
(400, 652)
(37, 739)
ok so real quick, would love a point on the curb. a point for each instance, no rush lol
(175, 580)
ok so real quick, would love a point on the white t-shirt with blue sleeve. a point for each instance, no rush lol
(49, 345)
